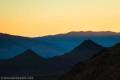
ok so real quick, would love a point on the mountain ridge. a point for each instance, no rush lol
(51, 46)
(84, 32)
(80, 53)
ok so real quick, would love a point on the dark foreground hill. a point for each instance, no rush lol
(27, 63)
(105, 66)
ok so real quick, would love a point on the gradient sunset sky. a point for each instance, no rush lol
(46, 17)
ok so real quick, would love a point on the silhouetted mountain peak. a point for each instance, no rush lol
(84, 51)
(29, 55)
(86, 44)
(29, 52)
(104, 66)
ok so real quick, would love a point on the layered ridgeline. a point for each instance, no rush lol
(104, 66)
(11, 45)
(54, 45)
(87, 61)
(31, 63)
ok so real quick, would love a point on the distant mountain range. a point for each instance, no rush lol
(87, 61)
(103, 66)
(31, 63)
(53, 45)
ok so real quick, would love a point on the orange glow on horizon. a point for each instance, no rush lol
(44, 17)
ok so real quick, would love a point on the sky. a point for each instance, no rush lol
(48, 17)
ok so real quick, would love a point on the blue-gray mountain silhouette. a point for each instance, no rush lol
(84, 51)
(49, 46)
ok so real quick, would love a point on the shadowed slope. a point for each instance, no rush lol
(105, 66)
(28, 58)
(82, 52)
